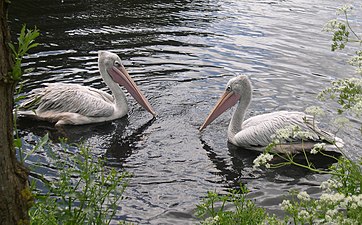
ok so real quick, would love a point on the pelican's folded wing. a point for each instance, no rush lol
(61, 97)
(259, 130)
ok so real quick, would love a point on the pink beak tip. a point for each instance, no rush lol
(201, 128)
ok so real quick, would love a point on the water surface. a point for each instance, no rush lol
(181, 54)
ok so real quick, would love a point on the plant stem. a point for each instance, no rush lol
(350, 28)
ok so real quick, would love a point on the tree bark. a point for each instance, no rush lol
(15, 195)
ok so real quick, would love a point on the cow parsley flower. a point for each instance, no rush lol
(303, 214)
(317, 147)
(332, 198)
(303, 135)
(304, 196)
(211, 220)
(357, 199)
(330, 185)
(331, 216)
(328, 218)
(285, 133)
(354, 206)
(341, 122)
(332, 212)
(314, 110)
(285, 205)
(357, 108)
(262, 159)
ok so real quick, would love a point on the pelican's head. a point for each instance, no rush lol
(110, 65)
(108, 59)
(240, 84)
(237, 87)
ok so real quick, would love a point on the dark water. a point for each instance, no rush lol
(181, 54)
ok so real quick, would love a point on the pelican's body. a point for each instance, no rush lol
(75, 104)
(257, 132)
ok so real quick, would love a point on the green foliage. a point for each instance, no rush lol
(26, 41)
(356, 61)
(86, 192)
(340, 202)
(340, 34)
(341, 30)
(348, 174)
(18, 143)
(347, 92)
(213, 209)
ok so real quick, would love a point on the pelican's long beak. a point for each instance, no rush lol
(121, 76)
(226, 101)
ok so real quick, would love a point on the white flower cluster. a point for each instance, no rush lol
(317, 147)
(314, 110)
(357, 199)
(357, 108)
(353, 201)
(304, 196)
(263, 159)
(341, 122)
(330, 215)
(303, 214)
(343, 9)
(332, 198)
(289, 132)
(330, 185)
(340, 203)
(359, 70)
(335, 205)
(356, 61)
(285, 205)
(211, 220)
(285, 133)
(303, 135)
(349, 221)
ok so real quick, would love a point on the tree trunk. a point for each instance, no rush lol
(15, 195)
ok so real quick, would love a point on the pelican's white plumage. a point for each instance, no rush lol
(64, 103)
(256, 132)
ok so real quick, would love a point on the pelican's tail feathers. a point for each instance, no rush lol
(27, 113)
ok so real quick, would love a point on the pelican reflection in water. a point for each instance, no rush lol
(256, 132)
(74, 104)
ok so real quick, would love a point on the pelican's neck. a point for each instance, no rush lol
(235, 125)
(120, 99)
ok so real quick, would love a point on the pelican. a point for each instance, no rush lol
(257, 132)
(74, 104)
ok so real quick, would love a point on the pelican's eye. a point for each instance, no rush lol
(117, 64)
(228, 88)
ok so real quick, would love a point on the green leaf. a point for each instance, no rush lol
(25, 43)
(12, 47)
(18, 143)
(40, 144)
(21, 97)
